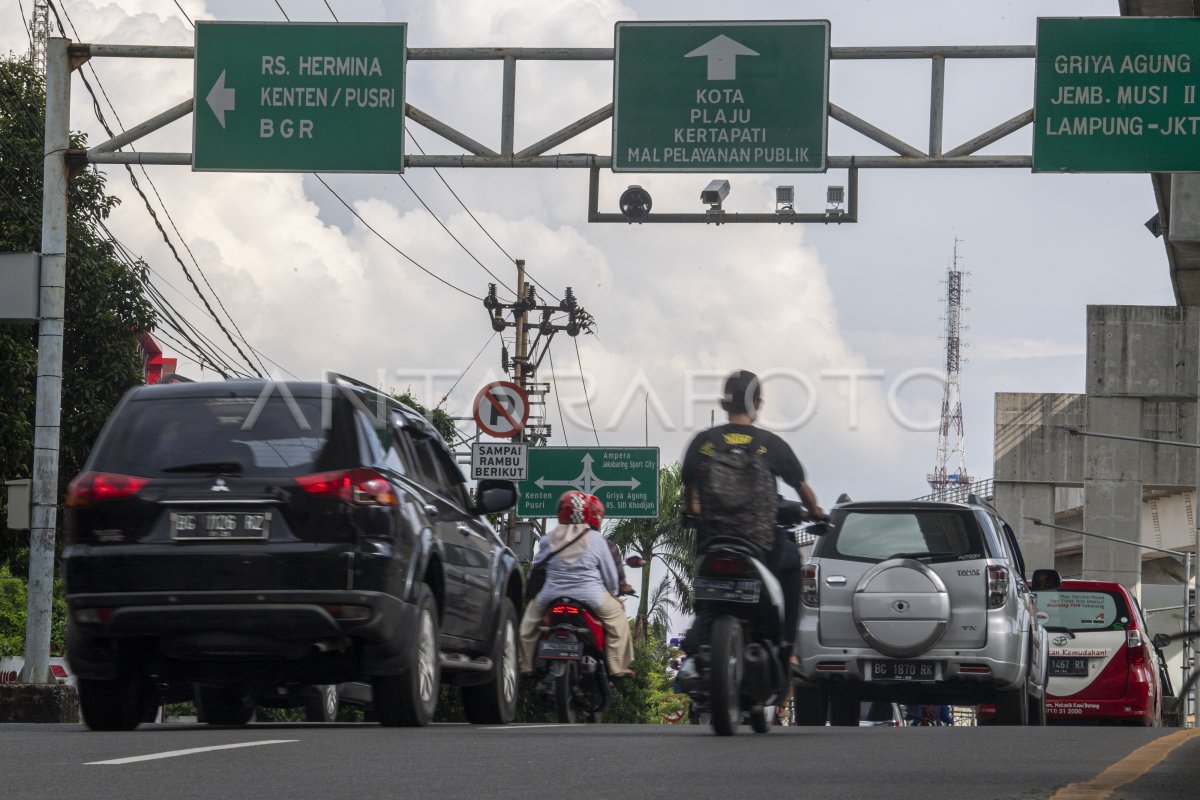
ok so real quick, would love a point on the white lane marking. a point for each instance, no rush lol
(188, 752)
(541, 725)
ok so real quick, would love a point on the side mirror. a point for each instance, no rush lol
(1045, 579)
(1161, 640)
(494, 495)
(637, 562)
(818, 528)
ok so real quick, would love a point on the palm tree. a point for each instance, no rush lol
(666, 539)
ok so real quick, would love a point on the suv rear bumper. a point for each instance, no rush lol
(255, 626)
(954, 675)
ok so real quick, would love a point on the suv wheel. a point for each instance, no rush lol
(322, 704)
(1012, 707)
(410, 698)
(811, 704)
(495, 702)
(116, 705)
(224, 705)
(1037, 710)
(844, 707)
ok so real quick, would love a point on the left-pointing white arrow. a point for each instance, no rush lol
(220, 99)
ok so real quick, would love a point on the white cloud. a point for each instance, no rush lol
(313, 289)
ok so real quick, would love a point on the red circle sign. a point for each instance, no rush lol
(501, 409)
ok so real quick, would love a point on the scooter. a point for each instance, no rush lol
(570, 660)
(739, 606)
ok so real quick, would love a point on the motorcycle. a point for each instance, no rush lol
(739, 669)
(570, 660)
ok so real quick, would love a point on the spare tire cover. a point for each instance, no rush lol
(901, 607)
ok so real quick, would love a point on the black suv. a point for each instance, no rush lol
(247, 537)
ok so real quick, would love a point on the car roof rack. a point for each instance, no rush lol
(412, 417)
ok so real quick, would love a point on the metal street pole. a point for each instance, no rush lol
(1188, 655)
(49, 368)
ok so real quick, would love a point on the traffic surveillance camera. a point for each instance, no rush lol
(635, 203)
(715, 193)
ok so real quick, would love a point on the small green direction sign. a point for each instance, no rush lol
(1117, 95)
(299, 97)
(721, 96)
(624, 478)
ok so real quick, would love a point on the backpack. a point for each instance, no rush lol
(738, 495)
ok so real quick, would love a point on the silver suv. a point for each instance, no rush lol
(918, 602)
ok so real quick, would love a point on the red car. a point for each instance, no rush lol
(1103, 666)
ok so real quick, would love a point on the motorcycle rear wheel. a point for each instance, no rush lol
(565, 706)
(726, 675)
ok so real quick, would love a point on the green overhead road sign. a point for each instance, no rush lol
(624, 478)
(720, 96)
(298, 97)
(1117, 95)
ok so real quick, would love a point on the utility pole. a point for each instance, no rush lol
(51, 304)
(528, 356)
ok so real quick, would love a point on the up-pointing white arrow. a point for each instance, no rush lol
(722, 53)
(220, 99)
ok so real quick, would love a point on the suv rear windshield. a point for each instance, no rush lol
(1083, 610)
(930, 536)
(165, 436)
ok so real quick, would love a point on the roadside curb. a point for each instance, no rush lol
(38, 702)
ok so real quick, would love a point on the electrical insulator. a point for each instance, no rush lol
(568, 302)
(498, 323)
(504, 357)
(490, 301)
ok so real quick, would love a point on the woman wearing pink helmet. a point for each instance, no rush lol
(579, 565)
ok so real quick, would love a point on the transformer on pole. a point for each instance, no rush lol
(951, 445)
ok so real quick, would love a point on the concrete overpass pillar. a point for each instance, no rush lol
(1016, 501)
(1112, 491)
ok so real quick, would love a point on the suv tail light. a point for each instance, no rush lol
(997, 585)
(361, 486)
(810, 594)
(1134, 648)
(90, 488)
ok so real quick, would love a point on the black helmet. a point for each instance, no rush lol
(743, 392)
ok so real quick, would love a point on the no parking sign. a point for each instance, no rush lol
(501, 409)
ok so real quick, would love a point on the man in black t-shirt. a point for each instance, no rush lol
(742, 401)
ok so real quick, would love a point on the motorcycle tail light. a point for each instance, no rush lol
(725, 565)
(810, 594)
(564, 609)
(997, 585)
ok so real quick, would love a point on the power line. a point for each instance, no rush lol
(386, 241)
(281, 11)
(154, 216)
(185, 16)
(452, 236)
(25, 23)
(464, 372)
(335, 16)
(583, 381)
(557, 398)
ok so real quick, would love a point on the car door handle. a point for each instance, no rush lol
(836, 580)
(431, 510)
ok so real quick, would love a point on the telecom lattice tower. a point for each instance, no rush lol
(950, 437)
(39, 31)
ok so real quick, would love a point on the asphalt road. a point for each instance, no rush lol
(623, 762)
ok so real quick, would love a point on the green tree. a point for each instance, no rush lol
(106, 308)
(663, 538)
(441, 421)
